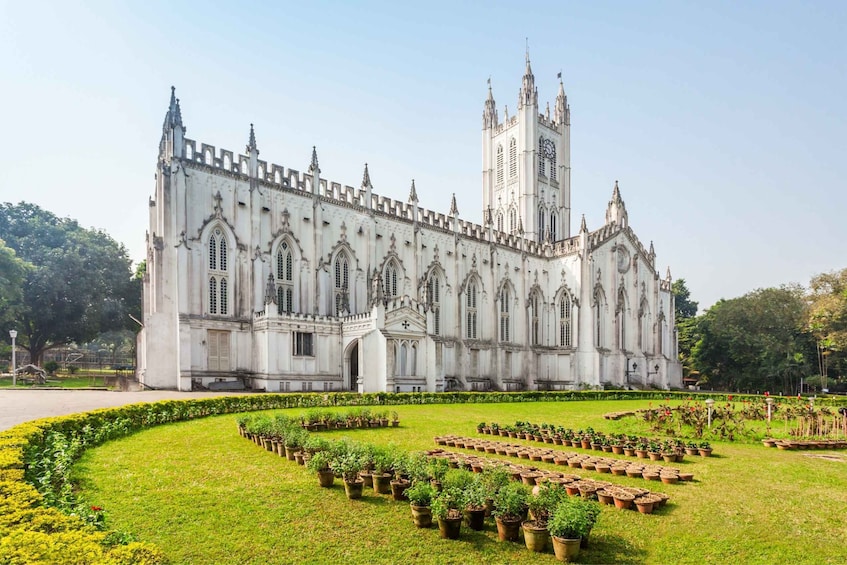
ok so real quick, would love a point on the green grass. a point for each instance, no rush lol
(79, 380)
(206, 495)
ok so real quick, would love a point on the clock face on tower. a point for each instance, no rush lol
(548, 148)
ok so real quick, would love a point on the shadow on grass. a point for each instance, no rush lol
(610, 549)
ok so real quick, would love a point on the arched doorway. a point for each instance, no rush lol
(353, 382)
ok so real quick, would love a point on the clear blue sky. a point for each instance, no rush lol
(723, 121)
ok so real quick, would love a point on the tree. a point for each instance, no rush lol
(827, 320)
(752, 342)
(13, 272)
(80, 283)
(684, 307)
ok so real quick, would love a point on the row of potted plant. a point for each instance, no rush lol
(668, 475)
(574, 485)
(318, 419)
(441, 492)
(671, 450)
(788, 444)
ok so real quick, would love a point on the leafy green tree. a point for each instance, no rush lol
(13, 272)
(828, 321)
(752, 342)
(684, 307)
(80, 283)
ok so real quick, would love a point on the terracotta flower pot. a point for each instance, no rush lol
(398, 489)
(475, 518)
(565, 549)
(509, 529)
(623, 500)
(326, 478)
(382, 483)
(535, 536)
(354, 489)
(422, 516)
(450, 528)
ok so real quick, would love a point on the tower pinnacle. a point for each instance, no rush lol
(489, 115)
(529, 93)
(251, 141)
(413, 195)
(366, 178)
(313, 167)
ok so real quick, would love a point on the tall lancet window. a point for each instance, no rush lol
(535, 319)
(499, 164)
(284, 279)
(513, 221)
(553, 165)
(434, 292)
(342, 285)
(621, 319)
(471, 311)
(541, 215)
(542, 162)
(554, 236)
(565, 339)
(389, 286)
(218, 274)
(505, 319)
(513, 158)
(499, 221)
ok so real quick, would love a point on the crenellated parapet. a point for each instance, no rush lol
(277, 177)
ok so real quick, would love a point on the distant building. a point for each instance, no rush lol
(285, 281)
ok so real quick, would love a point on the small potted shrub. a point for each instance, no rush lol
(447, 509)
(420, 496)
(475, 506)
(382, 460)
(348, 465)
(570, 521)
(509, 508)
(319, 463)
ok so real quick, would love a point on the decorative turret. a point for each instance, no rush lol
(652, 253)
(413, 195)
(668, 275)
(529, 93)
(367, 187)
(454, 209)
(583, 227)
(313, 166)
(616, 210)
(561, 114)
(315, 171)
(253, 153)
(489, 115)
(173, 130)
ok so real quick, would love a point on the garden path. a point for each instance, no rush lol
(18, 406)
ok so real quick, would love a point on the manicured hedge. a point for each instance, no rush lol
(36, 458)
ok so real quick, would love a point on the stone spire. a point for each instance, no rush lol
(454, 209)
(489, 115)
(251, 142)
(652, 252)
(616, 210)
(560, 115)
(366, 178)
(413, 194)
(173, 117)
(313, 167)
(529, 93)
(583, 227)
(668, 275)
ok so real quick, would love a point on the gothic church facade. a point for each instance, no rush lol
(284, 281)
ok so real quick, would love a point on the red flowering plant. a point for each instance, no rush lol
(92, 515)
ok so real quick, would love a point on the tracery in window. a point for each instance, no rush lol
(513, 158)
(565, 321)
(471, 311)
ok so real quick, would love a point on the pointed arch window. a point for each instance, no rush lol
(553, 165)
(542, 163)
(565, 333)
(535, 319)
(434, 294)
(621, 319)
(341, 294)
(218, 292)
(541, 216)
(513, 221)
(505, 319)
(284, 279)
(499, 164)
(598, 320)
(499, 221)
(390, 280)
(471, 311)
(513, 158)
(553, 234)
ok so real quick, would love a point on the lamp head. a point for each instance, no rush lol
(13, 334)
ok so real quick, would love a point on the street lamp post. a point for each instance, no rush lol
(769, 401)
(709, 403)
(13, 334)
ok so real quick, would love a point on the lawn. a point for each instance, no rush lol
(206, 495)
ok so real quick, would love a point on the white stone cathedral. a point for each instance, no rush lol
(268, 278)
